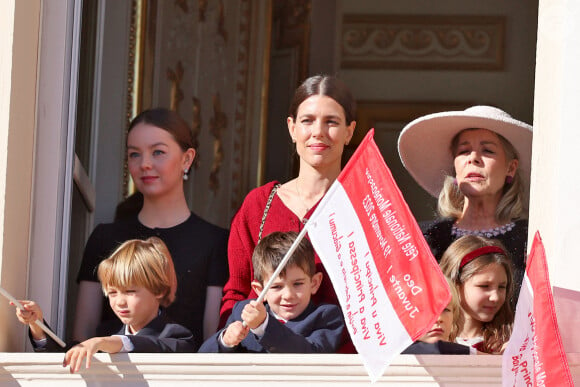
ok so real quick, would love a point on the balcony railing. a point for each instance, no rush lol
(237, 370)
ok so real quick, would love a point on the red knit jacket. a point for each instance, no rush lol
(244, 232)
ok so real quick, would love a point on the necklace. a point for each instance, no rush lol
(306, 207)
(300, 197)
(489, 233)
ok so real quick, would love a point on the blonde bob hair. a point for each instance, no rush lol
(143, 263)
(497, 331)
(512, 203)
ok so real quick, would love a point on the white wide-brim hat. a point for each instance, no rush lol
(425, 143)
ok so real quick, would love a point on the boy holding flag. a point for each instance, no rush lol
(288, 322)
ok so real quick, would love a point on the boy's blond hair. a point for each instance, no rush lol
(273, 247)
(145, 263)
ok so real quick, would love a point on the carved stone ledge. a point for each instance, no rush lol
(253, 369)
(423, 42)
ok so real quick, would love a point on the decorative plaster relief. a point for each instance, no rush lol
(423, 42)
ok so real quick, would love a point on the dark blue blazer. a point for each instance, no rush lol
(160, 335)
(317, 330)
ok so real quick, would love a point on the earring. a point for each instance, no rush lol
(509, 180)
(185, 177)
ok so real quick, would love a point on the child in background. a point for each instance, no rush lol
(289, 322)
(138, 278)
(440, 338)
(482, 273)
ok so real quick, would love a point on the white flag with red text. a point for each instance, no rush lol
(535, 355)
(387, 281)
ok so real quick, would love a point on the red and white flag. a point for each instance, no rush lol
(535, 355)
(388, 283)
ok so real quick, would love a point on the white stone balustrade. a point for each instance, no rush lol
(238, 370)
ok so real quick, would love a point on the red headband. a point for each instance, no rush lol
(479, 252)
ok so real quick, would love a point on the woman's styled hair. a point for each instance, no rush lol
(329, 86)
(144, 263)
(457, 315)
(497, 331)
(511, 205)
(273, 247)
(169, 121)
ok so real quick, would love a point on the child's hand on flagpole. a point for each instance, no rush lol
(39, 323)
(254, 314)
(235, 333)
(31, 312)
(29, 316)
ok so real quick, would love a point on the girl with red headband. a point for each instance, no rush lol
(482, 273)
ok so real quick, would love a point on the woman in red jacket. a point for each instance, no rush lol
(321, 122)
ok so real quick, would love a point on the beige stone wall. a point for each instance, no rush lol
(18, 69)
(555, 188)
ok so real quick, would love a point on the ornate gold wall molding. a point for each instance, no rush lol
(201, 9)
(217, 125)
(196, 127)
(240, 129)
(423, 42)
(176, 93)
(292, 30)
(134, 76)
(293, 17)
(221, 25)
(183, 5)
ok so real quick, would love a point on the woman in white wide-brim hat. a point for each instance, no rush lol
(477, 162)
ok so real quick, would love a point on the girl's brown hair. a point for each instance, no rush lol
(169, 121)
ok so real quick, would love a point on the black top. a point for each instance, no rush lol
(439, 237)
(199, 252)
(438, 348)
